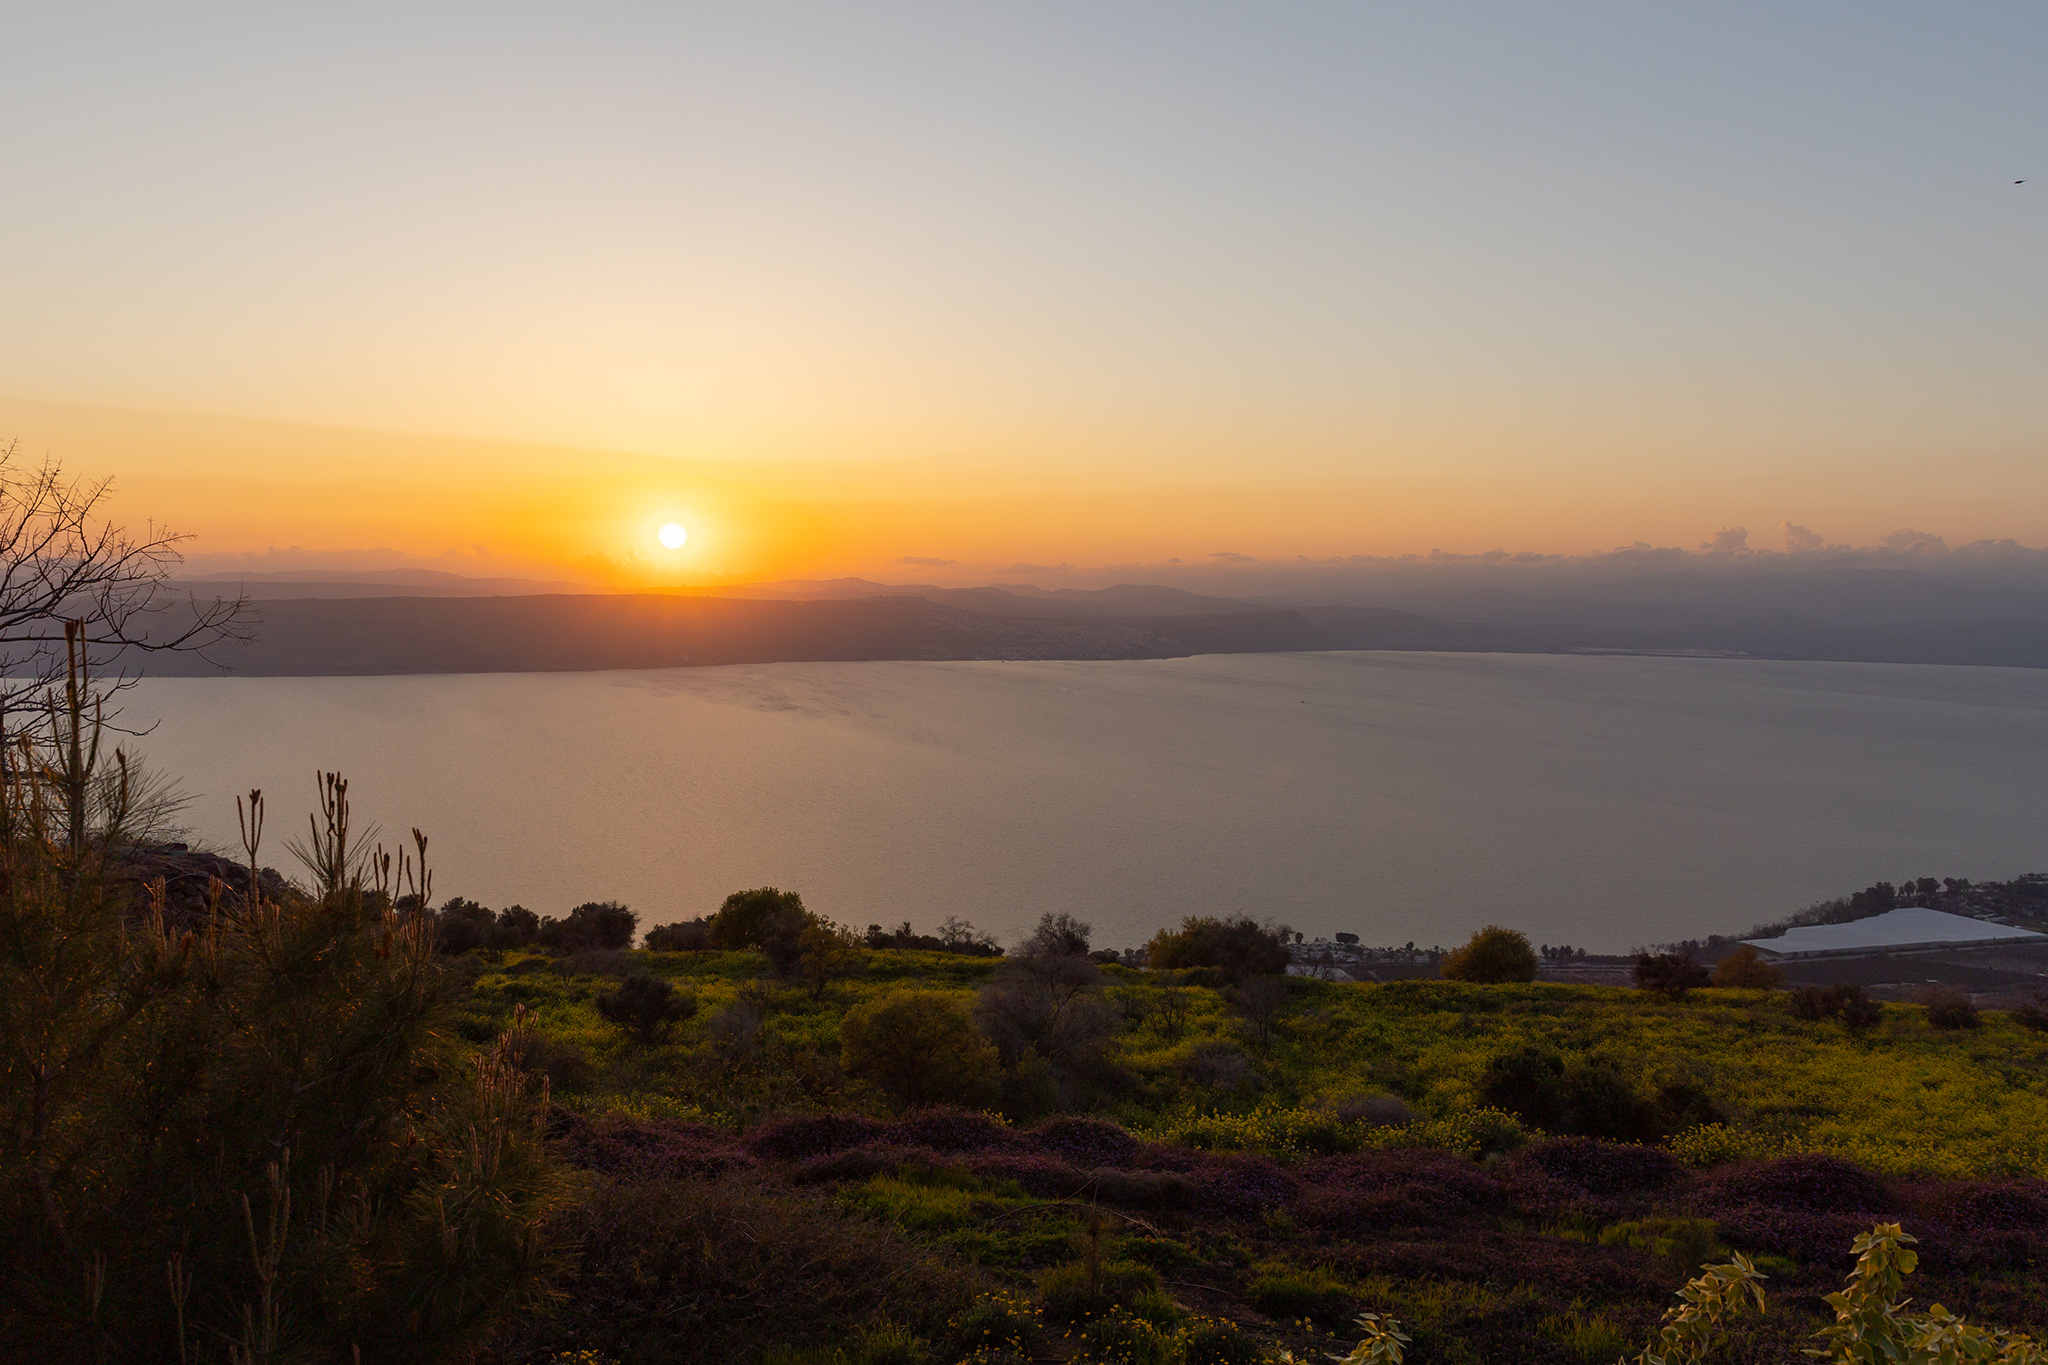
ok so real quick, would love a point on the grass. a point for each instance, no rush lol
(1180, 1278)
(1905, 1097)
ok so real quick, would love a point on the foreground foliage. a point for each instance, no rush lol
(247, 1137)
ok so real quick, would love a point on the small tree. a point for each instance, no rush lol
(684, 936)
(1745, 969)
(825, 953)
(921, 1047)
(1058, 935)
(746, 918)
(1261, 1001)
(83, 601)
(1670, 975)
(1236, 945)
(1949, 1008)
(463, 926)
(646, 1006)
(590, 927)
(256, 1136)
(1492, 957)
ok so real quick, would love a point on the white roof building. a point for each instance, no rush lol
(1894, 931)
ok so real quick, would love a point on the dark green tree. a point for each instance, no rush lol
(1236, 945)
(1494, 956)
(1671, 975)
(593, 926)
(646, 1006)
(921, 1047)
(754, 919)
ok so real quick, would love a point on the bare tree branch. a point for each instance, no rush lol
(61, 560)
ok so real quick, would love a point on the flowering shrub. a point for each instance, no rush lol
(955, 1130)
(1240, 1185)
(1396, 1188)
(817, 1135)
(1085, 1141)
(1604, 1170)
(621, 1144)
(1800, 1184)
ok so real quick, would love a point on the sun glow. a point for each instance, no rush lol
(672, 536)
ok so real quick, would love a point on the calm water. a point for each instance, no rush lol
(1605, 802)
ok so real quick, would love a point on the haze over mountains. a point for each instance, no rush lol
(1975, 606)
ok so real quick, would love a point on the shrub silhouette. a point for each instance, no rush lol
(1493, 956)
(646, 1006)
(2033, 1014)
(1236, 945)
(269, 1109)
(684, 936)
(1745, 969)
(1582, 1098)
(1670, 975)
(1949, 1008)
(463, 926)
(1857, 1011)
(919, 1046)
(590, 927)
(764, 918)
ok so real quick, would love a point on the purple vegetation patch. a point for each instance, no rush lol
(1798, 1184)
(816, 1135)
(1241, 1185)
(650, 1148)
(1045, 1176)
(1085, 1142)
(1973, 1223)
(955, 1130)
(1991, 1206)
(1397, 1187)
(1604, 1170)
(862, 1163)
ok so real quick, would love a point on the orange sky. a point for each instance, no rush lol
(1029, 285)
(243, 486)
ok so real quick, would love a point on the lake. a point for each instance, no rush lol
(1606, 802)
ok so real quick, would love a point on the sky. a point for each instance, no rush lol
(972, 290)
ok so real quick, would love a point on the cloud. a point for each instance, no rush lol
(1799, 540)
(1728, 540)
(1917, 542)
(929, 562)
(1040, 568)
(1232, 557)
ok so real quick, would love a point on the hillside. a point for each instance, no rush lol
(342, 636)
(1256, 1178)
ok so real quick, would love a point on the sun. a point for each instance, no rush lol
(672, 536)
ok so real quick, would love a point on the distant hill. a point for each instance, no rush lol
(563, 632)
(319, 622)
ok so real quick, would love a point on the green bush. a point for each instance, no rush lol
(1218, 1341)
(1591, 1337)
(646, 1006)
(1582, 1098)
(885, 1343)
(1237, 946)
(1745, 969)
(1069, 1293)
(995, 1322)
(921, 1047)
(1121, 1338)
(256, 1127)
(1949, 1008)
(1492, 957)
(1289, 1292)
(1688, 1243)
(756, 918)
